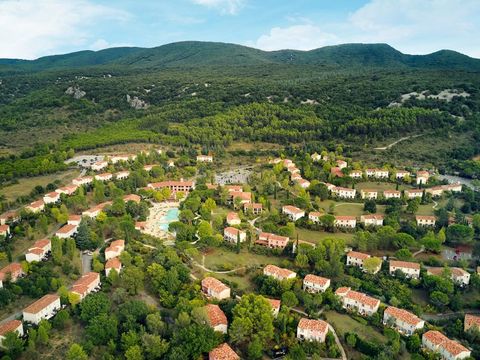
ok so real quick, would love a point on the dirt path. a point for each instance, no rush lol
(397, 141)
(204, 268)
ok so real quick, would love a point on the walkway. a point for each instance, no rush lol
(396, 142)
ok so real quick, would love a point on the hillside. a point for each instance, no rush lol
(198, 54)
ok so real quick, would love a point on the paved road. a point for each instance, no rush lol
(86, 262)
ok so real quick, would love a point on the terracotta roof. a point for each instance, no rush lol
(113, 263)
(341, 291)
(215, 315)
(358, 255)
(74, 217)
(405, 264)
(214, 284)
(403, 315)
(114, 245)
(36, 204)
(413, 191)
(52, 194)
(241, 195)
(9, 215)
(232, 216)
(232, 231)
(278, 271)
(293, 209)
(316, 279)
(362, 298)
(41, 243)
(369, 191)
(87, 279)
(345, 217)
(423, 173)
(316, 326)
(4, 228)
(425, 217)
(472, 320)
(170, 183)
(373, 216)
(437, 271)
(223, 352)
(14, 269)
(273, 237)
(36, 251)
(275, 303)
(8, 326)
(339, 188)
(41, 303)
(65, 229)
(438, 339)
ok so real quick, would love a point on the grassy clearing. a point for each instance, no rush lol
(317, 236)
(239, 145)
(220, 259)
(380, 186)
(426, 209)
(25, 185)
(343, 323)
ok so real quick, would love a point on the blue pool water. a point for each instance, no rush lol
(170, 216)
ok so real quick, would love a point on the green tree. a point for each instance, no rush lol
(76, 352)
(372, 264)
(458, 234)
(93, 305)
(154, 346)
(134, 353)
(132, 279)
(102, 328)
(289, 299)
(252, 317)
(12, 344)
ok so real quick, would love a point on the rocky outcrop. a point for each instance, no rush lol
(136, 103)
(76, 92)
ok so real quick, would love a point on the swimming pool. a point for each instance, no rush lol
(170, 216)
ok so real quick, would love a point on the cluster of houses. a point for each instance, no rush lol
(402, 320)
(47, 306)
(410, 269)
(346, 221)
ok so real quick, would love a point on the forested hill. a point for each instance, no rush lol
(197, 54)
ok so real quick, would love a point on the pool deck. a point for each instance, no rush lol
(157, 218)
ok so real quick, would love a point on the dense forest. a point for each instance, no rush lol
(80, 101)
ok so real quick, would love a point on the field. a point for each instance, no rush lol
(25, 185)
(380, 186)
(317, 236)
(223, 259)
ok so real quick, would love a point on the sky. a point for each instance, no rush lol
(33, 28)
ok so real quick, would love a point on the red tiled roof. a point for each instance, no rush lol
(42, 303)
(8, 326)
(14, 269)
(113, 263)
(292, 209)
(275, 303)
(358, 255)
(214, 284)
(65, 229)
(362, 298)
(472, 320)
(403, 315)
(425, 217)
(345, 217)
(316, 279)
(223, 352)
(278, 271)
(316, 326)
(405, 264)
(215, 315)
(437, 338)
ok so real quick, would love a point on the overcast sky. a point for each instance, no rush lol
(34, 28)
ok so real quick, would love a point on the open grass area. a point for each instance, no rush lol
(426, 209)
(380, 186)
(240, 145)
(25, 185)
(317, 236)
(343, 323)
(224, 259)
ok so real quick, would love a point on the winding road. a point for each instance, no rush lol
(397, 141)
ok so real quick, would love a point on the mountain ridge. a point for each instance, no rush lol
(198, 53)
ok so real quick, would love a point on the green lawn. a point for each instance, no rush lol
(317, 236)
(426, 209)
(223, 259)
(380, 186)
(343, 323)
(25, 185)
